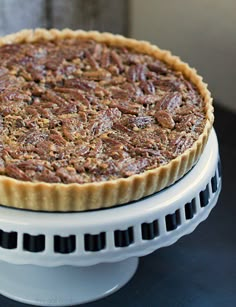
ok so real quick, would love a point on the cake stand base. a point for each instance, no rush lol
(64, 285)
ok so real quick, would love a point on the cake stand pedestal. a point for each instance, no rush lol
(64, 259)
(64, 285)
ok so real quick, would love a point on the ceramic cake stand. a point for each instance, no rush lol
(62, 259)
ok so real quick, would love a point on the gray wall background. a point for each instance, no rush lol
(201, 32)
(103, 15)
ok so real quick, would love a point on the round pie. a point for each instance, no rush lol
(91, 120)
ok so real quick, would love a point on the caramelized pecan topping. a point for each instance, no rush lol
(75, 110)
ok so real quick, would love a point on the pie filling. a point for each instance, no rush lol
(78, 111)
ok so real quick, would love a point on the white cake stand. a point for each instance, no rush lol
(62, 259)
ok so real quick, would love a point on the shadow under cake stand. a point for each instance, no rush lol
(63, 259)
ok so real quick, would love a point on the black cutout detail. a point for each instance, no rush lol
(124, 238)
(214, 183)
(94, 243)
(150, 230)
(173, 221)
(204, 197)
(64, 245)
(8, 240)
(34, 244)
(190, 209)
(219, 169)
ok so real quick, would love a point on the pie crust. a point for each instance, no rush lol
(44, 196)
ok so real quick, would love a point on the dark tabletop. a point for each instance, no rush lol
(200, 269)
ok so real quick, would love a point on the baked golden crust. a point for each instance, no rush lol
(79, 197)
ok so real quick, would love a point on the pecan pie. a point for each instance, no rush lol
(91, 120)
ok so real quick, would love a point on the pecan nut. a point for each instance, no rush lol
(165, 119)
